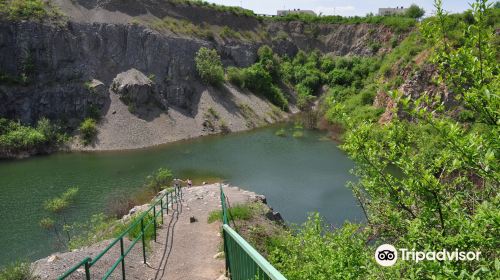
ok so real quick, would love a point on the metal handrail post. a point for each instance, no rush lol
(87, 270)
(143, 241)
(154, 222)
(161, 208)
(172, 200)
(166, 196)
(123, 258)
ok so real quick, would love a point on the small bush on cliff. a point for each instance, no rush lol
(209, 66)
(235, 76)
(23, 9)
(88, 129)
(18, 271)
(159, 180)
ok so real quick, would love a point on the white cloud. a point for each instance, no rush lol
(340, 10)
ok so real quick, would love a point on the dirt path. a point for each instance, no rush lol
(185, 250)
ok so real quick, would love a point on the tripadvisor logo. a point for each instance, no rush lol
(387, 255)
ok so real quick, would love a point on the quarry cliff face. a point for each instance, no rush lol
(50, 66)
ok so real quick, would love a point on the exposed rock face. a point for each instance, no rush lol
(97, 43)
(416, 85)
(135, 88)
(336, 39)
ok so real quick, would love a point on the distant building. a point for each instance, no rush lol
(391, 11)
(282, 13)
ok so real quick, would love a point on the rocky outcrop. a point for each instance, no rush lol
(416, 84)
(335, 39)
(135, 89)
(54, 64)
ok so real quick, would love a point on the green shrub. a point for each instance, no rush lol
(160, 179)
(313, 251)
(24, 9)
(18, 271)
(136, 230)
(229, 33)
(341, 77)
(209, 66)
(466, 116)
(16, 137)
(280, 132)
(235, 76)
(374, 47)
(367, 97)
(88, 130)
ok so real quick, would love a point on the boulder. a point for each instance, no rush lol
(134, 87)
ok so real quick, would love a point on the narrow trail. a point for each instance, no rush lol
(168, 242)
(187, 250)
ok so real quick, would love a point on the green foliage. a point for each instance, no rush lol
(24, 9)
(88, 130)
(15, 137)
(415, 11)
(183, 27)
(280, 132)
(466, 116)
(160, 179)
(397, 23)
(98, 228)
(367, 98)
(403, 55)
(235, 10)
(47, 223)
(18, 271)
(444, 193)
(298, 134)
(148, 229)
(313, 252)
(261, 77)
(235, 76)
(209, 66)
(59, 204)
(57, 222)
(229, 33)
(238, 212)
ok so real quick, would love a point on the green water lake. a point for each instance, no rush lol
(297, 175)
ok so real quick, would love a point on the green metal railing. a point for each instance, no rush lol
(169, 197)
(243, 262)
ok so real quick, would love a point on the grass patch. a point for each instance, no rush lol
(238, 11)
(18, 271)
(28, 10)
(185, 27)
(238, 212)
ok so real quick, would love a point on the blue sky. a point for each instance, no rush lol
(340, 7)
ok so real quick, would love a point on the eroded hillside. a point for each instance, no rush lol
(61, 67)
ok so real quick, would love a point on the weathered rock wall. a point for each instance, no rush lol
(57, 61)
